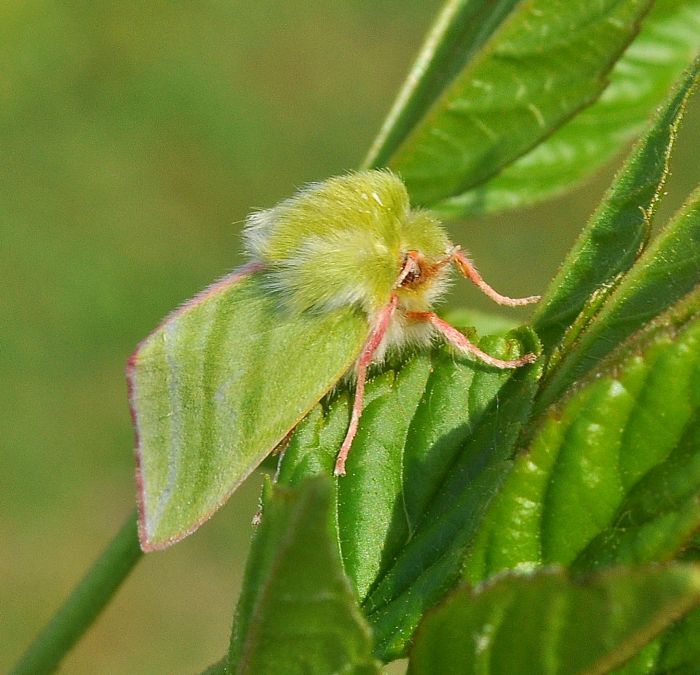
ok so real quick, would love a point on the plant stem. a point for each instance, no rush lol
(84, 604)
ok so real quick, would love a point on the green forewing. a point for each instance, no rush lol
(217, 386)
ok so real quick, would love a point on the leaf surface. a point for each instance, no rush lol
(667, 270)
(676, 651)
(619, 230)
(612, 475)
(459, 31)
(297, 612)
(547, 623)
(545, 62)
(668, 42)
(435, 442)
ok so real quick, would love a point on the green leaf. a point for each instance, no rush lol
(676, 651)
(548, 60)
(680, 647)
(434, 444)
(297, 612)
(667, 43)
(547, 623)
(459, 31)
(618, 230)
(213, 391)
(667, 270)
(693, 550)
(612, 475)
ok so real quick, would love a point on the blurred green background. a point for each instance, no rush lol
(134, 138)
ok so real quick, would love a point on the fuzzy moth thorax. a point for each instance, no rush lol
(350, 241)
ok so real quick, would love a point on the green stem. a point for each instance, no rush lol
(84, 604)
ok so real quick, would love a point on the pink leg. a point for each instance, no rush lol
(469, 271)
(373, 341)
(454, 337)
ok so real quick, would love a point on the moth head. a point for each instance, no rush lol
(424, 266)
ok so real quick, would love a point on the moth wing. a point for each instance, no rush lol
(216, 387)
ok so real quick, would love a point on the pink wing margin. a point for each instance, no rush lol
(234, 277)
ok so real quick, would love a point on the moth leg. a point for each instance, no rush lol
(373, 341)
(455, 338)
(466, 267)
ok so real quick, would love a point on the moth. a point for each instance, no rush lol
(339, 275)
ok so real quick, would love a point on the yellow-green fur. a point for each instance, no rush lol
(342, 243)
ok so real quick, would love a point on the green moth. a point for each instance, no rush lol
(340, 274)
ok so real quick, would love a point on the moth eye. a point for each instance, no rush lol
(410, 269)
(411, 277)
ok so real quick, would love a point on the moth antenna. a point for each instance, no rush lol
(466, 267)
(373, 341)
